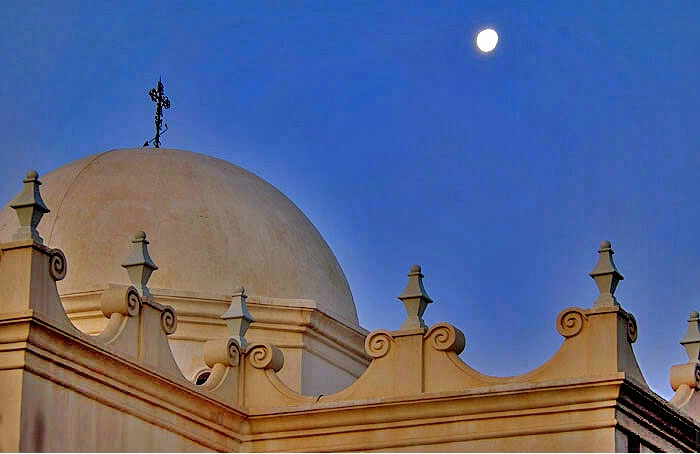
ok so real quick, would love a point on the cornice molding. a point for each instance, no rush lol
(107, 377)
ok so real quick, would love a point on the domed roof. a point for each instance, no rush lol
(212, 226)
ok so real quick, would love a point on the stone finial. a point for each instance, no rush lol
(139, 264)
(237, 317)
(691, 340)
(415, 299)
(606, 276)
(30, 208)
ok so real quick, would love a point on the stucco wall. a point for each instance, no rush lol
(59, 419)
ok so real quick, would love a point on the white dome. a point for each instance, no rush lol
(212, 226)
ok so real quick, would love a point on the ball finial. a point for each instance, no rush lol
(415, 269)
(605, 244)
(32, 175)
(694, 315)
(140, 235)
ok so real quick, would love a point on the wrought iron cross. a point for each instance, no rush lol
(162, 102)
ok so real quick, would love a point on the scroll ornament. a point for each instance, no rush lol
(685, 374)
(58, 266)
(570, 321)
(168, 320)
(632, 332)
(378, 343)
(120, 300)
(266, 356)
(447, 338)
(222, 351)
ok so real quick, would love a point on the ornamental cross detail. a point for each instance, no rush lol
(162, 102)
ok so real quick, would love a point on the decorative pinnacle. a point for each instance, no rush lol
(606, 276)
(237, 317)
(415, 300)
(691, 340)
(30, 208)
(139, 264)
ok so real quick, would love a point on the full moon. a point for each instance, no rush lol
(486, 40)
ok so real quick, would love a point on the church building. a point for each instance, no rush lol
(154, 299)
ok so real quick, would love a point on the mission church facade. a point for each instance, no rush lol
(164, 300)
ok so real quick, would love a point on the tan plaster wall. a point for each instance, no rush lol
(188, 355)
(291, 374)
(55, 418)
(568, 417)
(597, 440)
(316, 372)
(10, 408)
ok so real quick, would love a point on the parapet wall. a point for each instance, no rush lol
(122, 390)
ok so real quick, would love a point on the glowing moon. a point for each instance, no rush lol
(486, 40)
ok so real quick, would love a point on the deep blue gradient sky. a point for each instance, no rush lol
(500, 174)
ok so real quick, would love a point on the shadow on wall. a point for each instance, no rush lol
(38, 435)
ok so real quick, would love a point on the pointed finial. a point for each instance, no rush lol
(30, 208)
(691, 340)
(139, 264)
(606, 276)
(415, 299)
(237, 317)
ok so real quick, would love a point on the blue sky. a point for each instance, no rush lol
(500, 174)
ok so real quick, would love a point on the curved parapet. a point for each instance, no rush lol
(247, 377)
(408, 363)
(417, 360)
(138, 326)
(411, 361)
(263, 388)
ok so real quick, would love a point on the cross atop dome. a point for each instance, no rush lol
(162, 102)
